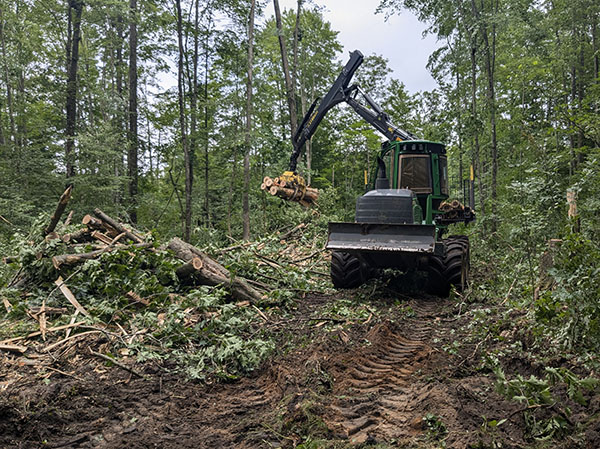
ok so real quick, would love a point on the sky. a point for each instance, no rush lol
(399, 39)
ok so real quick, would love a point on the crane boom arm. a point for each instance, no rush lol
(339, 92)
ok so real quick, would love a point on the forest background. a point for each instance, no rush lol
(518, 94)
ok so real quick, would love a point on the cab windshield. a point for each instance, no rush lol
(415, 173)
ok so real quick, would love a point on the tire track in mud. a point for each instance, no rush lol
(375, 398)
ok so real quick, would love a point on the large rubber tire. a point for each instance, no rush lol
(452, 269)
(346, 270)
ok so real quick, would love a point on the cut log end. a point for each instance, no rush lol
(197, 263)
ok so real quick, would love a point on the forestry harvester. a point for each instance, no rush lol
(401, 220)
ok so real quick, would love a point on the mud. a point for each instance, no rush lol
(382, 380)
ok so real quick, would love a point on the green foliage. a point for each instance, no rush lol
(537, 394)
(572, 310)
(203, 334)
(436, 429)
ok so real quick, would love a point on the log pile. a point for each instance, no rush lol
(101, 234)
(290, 191)
(454, 209)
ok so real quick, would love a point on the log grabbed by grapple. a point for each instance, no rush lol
(291, 187)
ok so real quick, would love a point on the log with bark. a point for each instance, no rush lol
(81, 236)
(207, 271)
(60, 208)
(96, 224)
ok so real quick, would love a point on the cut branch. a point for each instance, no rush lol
(73, 259)
(60, 208)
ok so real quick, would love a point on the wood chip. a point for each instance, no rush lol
(13, 348)
(69, 295)
(42, 320)
(73, 318)
(37, 333)
(7, 304)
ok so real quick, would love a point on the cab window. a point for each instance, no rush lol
(415, 173)
(444, 175)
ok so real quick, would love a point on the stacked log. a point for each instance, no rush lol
(290, 191)
(454, 209)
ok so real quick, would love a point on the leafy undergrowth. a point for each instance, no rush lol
(533, 323)
(198, 330)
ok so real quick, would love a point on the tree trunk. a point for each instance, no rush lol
(118, 116)
(75, 6)
(289, 87)
(248, 136)
(490, 63)
(193, 95)
(206, 159)
(132, 155)
(295, 47)
(476, 150)
(595, 48)
(189, 173)
(5, 72)
(231, 191)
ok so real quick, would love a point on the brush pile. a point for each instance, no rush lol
(101, 234)
(104, 287)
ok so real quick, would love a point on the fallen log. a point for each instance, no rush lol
(60, 208)
(52, 236)
(93, 222)
(186, 273)
(131, 235)
(212, 273)
(72, 259)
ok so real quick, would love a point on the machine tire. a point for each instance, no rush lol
(347, 271)
(452, 269)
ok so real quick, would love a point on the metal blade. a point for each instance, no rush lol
(381, 237)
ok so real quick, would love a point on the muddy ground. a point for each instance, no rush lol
(398, 372)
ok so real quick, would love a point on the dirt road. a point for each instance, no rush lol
(392, 375)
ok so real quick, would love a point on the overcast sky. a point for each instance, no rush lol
(399, 39)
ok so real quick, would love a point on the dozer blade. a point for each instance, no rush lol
(381, 237)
